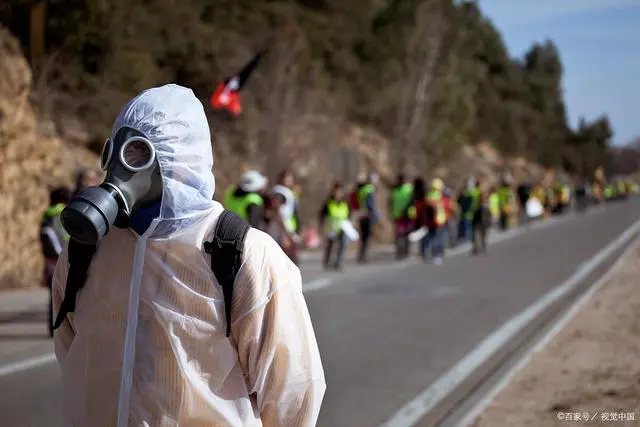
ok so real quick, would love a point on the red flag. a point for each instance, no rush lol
(227, 94)
(226, 99)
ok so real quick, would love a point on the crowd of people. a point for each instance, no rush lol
(429, 214)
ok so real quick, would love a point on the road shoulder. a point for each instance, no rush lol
(589, 368)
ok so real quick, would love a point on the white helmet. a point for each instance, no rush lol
(253, 181)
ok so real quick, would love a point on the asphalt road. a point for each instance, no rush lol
(386, 331)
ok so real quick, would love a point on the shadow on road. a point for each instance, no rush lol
(27, 336)
(31, 316)
(24, 326)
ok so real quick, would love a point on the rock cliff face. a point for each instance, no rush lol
(30, 164)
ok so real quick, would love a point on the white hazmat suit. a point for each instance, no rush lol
(146, 345)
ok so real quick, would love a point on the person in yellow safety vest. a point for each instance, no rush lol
(621, 189)
(494, 206)
(52, 240)
(562, 196)
(505, 196)
(333, 213)
(246, 200)
(635, 188)
(436, 221)
(368, 213)
(290, 210)
(400, 199)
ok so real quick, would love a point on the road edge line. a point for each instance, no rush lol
(543, 341)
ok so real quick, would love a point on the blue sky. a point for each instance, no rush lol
(599, 41)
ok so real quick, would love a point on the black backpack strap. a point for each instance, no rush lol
(226, 255)
(80, 257)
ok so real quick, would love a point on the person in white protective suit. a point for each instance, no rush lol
(144, 342)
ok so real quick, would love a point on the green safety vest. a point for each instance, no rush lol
(400, 199)
(363, 193)
(608, 192)
(434, 198)
(239, 205)
(474, 193)
(338, 212)
(52, 215)
(504, 196)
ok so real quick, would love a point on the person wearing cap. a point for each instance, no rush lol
(289, 207)
(246, 200)
(281, 216)
(436, 220)
(369, 215)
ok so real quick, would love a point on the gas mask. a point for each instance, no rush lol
(133, 182)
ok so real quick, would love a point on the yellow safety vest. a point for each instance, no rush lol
(338, 212)
(494, 205)
(239, 205)
(434, 198)
(475, 194)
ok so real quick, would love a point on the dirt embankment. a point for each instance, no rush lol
(591, 369)
(30, 164)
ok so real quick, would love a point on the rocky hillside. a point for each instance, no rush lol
(30, 163)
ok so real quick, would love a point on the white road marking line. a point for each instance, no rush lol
(25, 364)
(544, 340)
(316, 284)
(416, 409)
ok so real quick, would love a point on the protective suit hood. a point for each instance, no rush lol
(173, 119)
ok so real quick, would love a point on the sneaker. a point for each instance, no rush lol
(437, 261)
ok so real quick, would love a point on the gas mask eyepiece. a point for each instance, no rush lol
(133, 181)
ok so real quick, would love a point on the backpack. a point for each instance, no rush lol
(226, 256)
(354, 201)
